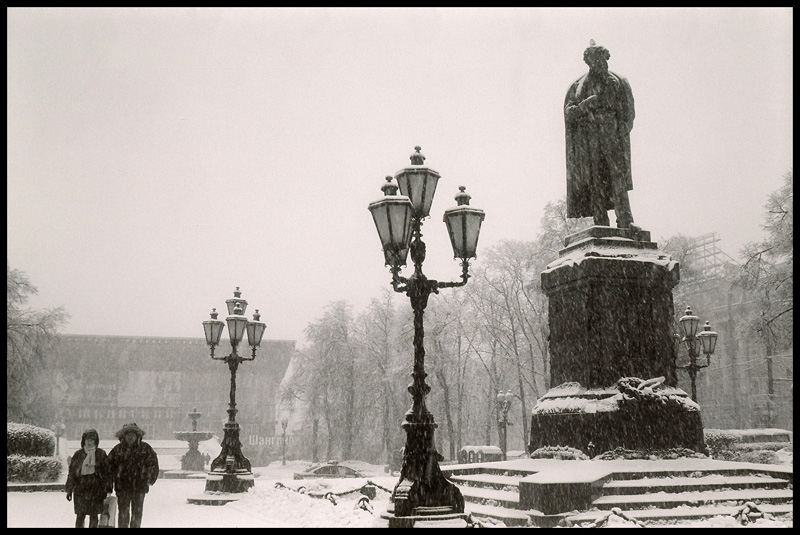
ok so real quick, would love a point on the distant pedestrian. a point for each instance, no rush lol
(134, 467)
(88, 480)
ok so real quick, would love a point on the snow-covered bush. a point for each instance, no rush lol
(762, 446)
(628, 454)
(23, 468)
(729, 446)
(721, 444)
(24, 439)
(757, 456)
(559, 452)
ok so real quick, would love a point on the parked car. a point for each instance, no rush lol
(330, 469)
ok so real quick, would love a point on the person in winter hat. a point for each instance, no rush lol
(88, 480)
(134, 467)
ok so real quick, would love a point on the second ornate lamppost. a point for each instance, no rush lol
(504, 404)
(422, 490)
(705, 340)
(230, 471)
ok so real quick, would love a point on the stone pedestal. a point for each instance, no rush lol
(235, 482)
(611, 317)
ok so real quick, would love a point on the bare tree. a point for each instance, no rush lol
(30, 334)
(768, 271)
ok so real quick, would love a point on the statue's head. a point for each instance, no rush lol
(596, 57)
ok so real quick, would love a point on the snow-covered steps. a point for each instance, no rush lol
(549, 491)
(488, 480)
(510, 517)
(706, 482)
(675, 499)
(490, 496)
(679, 513)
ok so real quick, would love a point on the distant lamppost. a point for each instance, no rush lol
(230, 471)
(59, 430)
(706, 341)
(314, 456)
(504, 404)
(422, 488)
(284, 423)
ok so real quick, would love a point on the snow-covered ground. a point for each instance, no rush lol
(263, 506)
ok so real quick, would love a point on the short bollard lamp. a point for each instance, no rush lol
(230, 470)
(705, 341)
(422, 490)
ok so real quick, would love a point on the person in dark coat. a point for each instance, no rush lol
(88, 480)
(134, 467)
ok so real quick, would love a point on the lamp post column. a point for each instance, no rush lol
(284, 423)
(314, 456)
(692, 369)
(422, 485)
(230, 458)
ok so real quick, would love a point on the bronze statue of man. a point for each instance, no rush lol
(598, 115)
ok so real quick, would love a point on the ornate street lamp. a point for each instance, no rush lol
(504, 404)
(230, 471)
(705, 341)
(422, 489)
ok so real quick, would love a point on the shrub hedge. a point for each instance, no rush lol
(24, 439)
(721, 444)
(559, 452)
(28, 469)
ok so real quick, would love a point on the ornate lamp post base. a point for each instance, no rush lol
(229, 483)
(423, 493)
(409, 521)
(230, 471)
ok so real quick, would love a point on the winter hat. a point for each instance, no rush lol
(90, 433)
(127, 428)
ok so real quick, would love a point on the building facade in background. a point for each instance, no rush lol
(745, 385)
(103, 382)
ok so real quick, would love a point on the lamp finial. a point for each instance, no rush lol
(462, 197)
(390, 188)
(417, 158)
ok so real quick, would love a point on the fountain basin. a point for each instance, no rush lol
(193, 436)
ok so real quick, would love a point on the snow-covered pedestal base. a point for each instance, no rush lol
(631, 415)
(611, 317)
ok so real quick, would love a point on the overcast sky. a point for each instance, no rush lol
(158, 158)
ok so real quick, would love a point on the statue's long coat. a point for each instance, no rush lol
(579, 179)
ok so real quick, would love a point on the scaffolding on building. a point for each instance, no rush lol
(710, 265)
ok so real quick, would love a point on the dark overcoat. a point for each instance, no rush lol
(579, 168)
(88, 491)
(133, 468)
